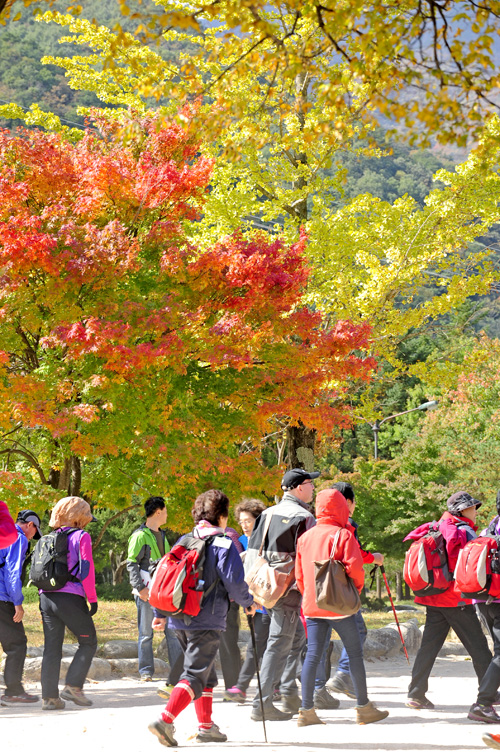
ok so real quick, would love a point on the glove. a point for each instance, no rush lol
(93, 608)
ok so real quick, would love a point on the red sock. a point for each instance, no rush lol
(180, 697)
(203, 708)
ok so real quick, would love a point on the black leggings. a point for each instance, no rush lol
(60, 610)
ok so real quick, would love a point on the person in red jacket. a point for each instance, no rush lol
(448, 609)
(332, 515)
(8, 530)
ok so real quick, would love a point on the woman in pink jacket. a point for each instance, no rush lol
(316, 544)
(67, 607)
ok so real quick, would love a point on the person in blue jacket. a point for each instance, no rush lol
(200, 637)
(12, 635)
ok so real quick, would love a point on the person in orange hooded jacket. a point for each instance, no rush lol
(332, 514)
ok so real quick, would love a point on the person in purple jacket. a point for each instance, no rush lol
(482, 710)
(200, 637)
(67, 607)
(12, 635)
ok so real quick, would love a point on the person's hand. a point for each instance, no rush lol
(378, 559)
(18, 614)
(93, 608)
(159, 623)
(250, 610)
(144, 594)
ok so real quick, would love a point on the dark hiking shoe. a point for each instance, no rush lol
(369, 713)
(270, 714)
(76, 695)
(291, 703)
(342, 684)
(53, 703)
(164, 732)
(419, 703)
(23, 699)
(323, 700)
(213, 734)
(491, 740)
(483, 714)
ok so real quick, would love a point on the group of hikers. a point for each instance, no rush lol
(291, 635)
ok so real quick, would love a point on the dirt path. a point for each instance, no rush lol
(123, 708)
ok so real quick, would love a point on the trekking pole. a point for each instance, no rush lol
(382, 569)
(256, 659)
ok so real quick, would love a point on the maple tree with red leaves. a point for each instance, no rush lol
(127, 354)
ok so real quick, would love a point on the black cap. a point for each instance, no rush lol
(293, 478)
(461, 500)
(27, 515)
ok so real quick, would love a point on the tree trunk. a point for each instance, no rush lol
(75, 482)
(301, 443)
(407, 593)
(379, 584)
(118, 563)
(399, 586)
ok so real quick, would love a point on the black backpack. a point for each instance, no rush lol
(49, 562)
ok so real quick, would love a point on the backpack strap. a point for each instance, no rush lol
(266, 530)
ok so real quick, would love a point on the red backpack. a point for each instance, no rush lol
(477, 573)
(426, 569)
(177, 584)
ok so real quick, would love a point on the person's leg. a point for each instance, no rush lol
(468, 630)
(491, 680)
(435, 632)
(348, 632)
(261, 625)
(175, 654)
(145, 641)
(230, 656)
(73, 611)
(53, 633)
(321, 671)
(317, 633)
(283, 623)
(343, 664)
(14, 644)
(288, 682)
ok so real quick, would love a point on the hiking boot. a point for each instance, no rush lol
(483, 714)
(276, 695)
(165, 692)
(341, 683)
(23, 699)
(213, 734)
(369, 713)
(164, 732)
(491, 740)
(233, 694)
(270, 713)
(308, 718)
(419, 703)
(291, 703)
(53, 703)
(76, 695)
(323, 700)
(146, 678)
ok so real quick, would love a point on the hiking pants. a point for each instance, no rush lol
(230, 656)
(261, 623)
(200, 648)
(491, 680)
(14, 643)
(463, 620)
(282, 627)
(61, 610)
(145, 644)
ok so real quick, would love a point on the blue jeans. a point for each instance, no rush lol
(145, 643)
(343, 664)
(282, 627)
(317, 633)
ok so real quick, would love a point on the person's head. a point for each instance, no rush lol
(463, 504)
(347, 492)
(29, 522)
(155, 510)
(212, 506)
(71, 511)
(300, 483)
(247, 512)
